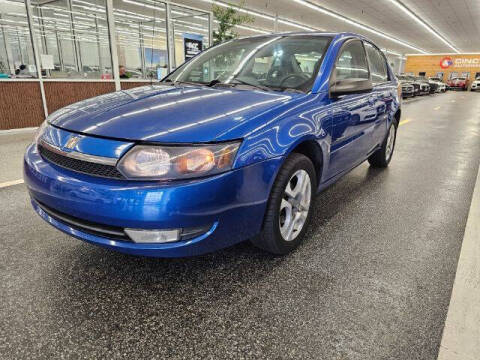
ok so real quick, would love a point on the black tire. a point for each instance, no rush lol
(380, 158)
(270, 238)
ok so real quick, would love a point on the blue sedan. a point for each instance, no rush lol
(232, 145)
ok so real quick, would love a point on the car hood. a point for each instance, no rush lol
(171, 114)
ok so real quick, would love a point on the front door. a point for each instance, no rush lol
(353, 116)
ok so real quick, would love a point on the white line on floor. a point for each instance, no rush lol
(461, 334)
(11, 183)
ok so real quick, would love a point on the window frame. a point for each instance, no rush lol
(389, 77)
(333, 73)
(308, 86)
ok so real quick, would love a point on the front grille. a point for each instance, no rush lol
(106, 231)
(85, 167)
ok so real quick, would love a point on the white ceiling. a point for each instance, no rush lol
(456, 20)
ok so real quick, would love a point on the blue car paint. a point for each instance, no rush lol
(232, 201)
(270, 124)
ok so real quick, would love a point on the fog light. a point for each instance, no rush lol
(165, 236)
(153, 236)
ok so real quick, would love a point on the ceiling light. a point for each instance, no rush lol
(356, 23)
(423, 23)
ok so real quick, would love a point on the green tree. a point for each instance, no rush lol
(227, 19)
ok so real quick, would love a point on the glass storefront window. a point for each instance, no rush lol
(16, 54)
(72, 36)
(190, 29)
(141, 38)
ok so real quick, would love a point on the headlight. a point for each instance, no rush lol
(145, 162)
(40, 131)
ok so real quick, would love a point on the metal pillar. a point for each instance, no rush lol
(99, 47)
(28, 7)
(170, 38)
(8, 52)
(210, 29)
(142, 49)
(43, 35)
(113, 44)
(59, 50)
(22, 59)
(76, 43)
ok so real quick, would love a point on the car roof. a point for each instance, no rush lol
(312, 33)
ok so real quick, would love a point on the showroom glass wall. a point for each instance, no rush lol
(63, 51)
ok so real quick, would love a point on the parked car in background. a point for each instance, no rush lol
(199, 162)
(432, 87)
(475, 85)
(408, 89)
(458, 83)
(441, 86)
(423, 85)
(409, 80)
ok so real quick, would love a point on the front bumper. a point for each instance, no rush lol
(457, 86)
(231, 204)
(424, 90)
(407, 92)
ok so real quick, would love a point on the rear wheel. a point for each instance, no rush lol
(289, 206)
(382, 157)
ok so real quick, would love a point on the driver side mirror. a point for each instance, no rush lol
(350, 86)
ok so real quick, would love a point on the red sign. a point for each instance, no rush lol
(446, 62)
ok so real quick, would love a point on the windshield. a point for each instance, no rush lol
(275, 63)
(461, 79)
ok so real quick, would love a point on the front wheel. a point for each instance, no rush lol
(289, 206)
(382, 157)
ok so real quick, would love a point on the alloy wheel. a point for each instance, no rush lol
(390, 143)
(295, 205)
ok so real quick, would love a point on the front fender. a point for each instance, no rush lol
(279, 136)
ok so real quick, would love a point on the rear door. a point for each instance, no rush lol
(354, 115)
(381, 96)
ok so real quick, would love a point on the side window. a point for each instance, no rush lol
(352, 63)
(378, 67)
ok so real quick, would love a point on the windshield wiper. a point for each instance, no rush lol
(214, 82)
(183, 82)
(292, 90)
(257, 86)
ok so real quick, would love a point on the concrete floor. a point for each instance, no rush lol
(372, 281)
